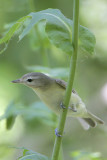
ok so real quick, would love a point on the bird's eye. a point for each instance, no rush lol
(29, 80)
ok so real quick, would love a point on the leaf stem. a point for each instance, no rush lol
(63, 115)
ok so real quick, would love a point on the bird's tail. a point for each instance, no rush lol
(95, 118)
(91, 120)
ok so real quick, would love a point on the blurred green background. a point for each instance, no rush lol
(34, 132)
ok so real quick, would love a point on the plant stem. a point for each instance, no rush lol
(61, 157)
(67, 97)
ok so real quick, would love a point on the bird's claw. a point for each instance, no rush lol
(73, 108)
(57, 133)
(62, 105)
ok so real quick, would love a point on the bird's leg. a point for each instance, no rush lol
(73, 108)
(57, 133)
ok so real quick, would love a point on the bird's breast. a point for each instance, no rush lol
(52, 98)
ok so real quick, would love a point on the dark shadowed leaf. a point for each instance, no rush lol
(10, 121)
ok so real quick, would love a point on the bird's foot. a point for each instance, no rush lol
(62, 106)
(73, 108)
(57, 133)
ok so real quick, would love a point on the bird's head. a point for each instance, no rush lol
(34, 80)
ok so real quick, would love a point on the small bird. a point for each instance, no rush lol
(52, 91)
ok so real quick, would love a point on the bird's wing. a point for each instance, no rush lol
(63, 84)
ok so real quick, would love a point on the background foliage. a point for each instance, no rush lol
(29, 130)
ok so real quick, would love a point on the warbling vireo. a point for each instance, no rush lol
(51, 91)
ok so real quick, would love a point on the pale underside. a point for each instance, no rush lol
(53, 97)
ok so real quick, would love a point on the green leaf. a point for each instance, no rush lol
(58, 29)
(36, 111)
(40, 112)
(10, 114)
(12, 110)
(55, 22)
(87, 40)
(12, 31)
(38, 37)
(34, 157)
(54, 72)
(31, 155)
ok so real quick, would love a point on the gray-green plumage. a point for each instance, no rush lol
(51, 91)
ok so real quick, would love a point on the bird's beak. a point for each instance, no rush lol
(16, 81)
